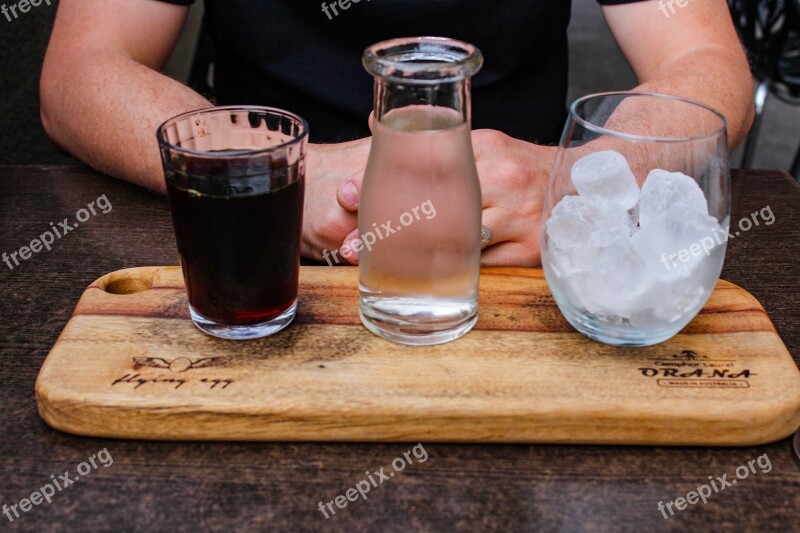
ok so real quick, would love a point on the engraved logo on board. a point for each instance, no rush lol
(688, 369)
(179, 365)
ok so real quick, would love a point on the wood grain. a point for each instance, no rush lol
(130, 364)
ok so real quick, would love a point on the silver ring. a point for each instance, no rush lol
(486, 237)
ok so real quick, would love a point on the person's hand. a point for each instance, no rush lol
(333, 172)
(513, 177)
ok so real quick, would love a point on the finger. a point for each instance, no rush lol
(326, 239)
(503, 225)
(515, 240)
(501, 181)
(509, 254)
(348, 250)
(371, 122)
(348, 195)
(489, 194)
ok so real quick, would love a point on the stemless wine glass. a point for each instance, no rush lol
(636, 215)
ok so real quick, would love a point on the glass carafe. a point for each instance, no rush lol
(420, 210)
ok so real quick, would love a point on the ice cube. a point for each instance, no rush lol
(575, 218)
(661, 189)
(676, 241)
(606, 177)
(581, 259)
(605, 237)
(618, 280)
(633, 219)
(572, 261)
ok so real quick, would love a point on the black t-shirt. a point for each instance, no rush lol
(295, 55)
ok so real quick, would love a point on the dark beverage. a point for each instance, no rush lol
(235, 179)
(239, 241)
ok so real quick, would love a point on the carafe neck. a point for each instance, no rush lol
(423, 71)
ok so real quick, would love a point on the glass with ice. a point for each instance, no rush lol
(636, 217)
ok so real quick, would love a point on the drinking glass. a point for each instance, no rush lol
(636, 215)
(235, 181)
(420, 210)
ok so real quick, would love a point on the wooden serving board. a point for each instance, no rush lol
(130, 364)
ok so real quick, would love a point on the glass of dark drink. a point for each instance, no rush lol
(235, 180)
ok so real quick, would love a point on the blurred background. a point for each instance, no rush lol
(596, 65)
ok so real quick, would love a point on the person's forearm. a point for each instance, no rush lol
(104, 108)
(718, 79)
(715, 79)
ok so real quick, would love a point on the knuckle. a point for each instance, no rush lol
(491, 138)
(531, 209)
(511, 174)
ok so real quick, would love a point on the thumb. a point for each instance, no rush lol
(348, 195)
(349, 191)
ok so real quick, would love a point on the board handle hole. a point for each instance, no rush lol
(130, 283)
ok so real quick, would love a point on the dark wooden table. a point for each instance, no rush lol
(165, 486)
